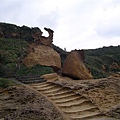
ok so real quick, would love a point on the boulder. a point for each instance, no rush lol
(74, 66)
(42, 55)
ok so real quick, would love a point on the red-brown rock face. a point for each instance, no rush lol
(74, 66)
(42, 55)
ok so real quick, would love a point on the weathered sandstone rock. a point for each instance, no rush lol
(43, 55)
(74, 66)
(39, 39)
(50, 77)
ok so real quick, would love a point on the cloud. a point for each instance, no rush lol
(109, 29)
(109, 25)
(49, 20)
(78, 24)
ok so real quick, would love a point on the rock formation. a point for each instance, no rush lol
(114, 66)
(51, 77)
(43, 55)
(74, 66)
(41, 52)
(39, 39)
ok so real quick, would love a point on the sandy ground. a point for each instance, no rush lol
(21, 103)
(105, 93)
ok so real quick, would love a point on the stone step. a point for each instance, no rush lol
(94, 117)
(73, 102)
(40, 85)
(82, 112)
(64, 100)
(62, 96)
(27, 76)
(78, 107)
(85, 116)
(35, 81)
(45, 88)
(52, 91)
(88, 114)
(71, 96)
(60, 92)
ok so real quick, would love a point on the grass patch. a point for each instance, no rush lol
(4, 83)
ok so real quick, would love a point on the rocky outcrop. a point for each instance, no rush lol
(39, 39)
(41, 51)
(74, 66)
(114, 66)
(43, 55)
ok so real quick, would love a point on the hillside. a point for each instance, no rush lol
(14, 40)
(103, 61)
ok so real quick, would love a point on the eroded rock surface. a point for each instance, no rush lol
(52, 76)
(39, 39)
(22, 103)
(74, 66)
(105, 92)
(43, 55)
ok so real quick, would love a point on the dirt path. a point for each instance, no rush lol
(74, 106)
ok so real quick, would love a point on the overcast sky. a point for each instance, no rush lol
(77, 24)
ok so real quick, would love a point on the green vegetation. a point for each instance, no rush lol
(106, 56)
(35, 70)
(4, 83)
(13, 51)
(13, 48)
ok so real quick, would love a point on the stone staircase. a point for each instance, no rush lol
(74, 106)
(30, 79)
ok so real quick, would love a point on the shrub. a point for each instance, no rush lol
(4, 83)
(8, 69)
(35, 70)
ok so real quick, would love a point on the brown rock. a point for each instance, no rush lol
(39, 39)
(30, 47)
(51, 77)
(74, 66)
(114, 66)
(43, 55)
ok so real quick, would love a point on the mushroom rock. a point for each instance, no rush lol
(39, 39)
(74, 66)
(42, 55)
